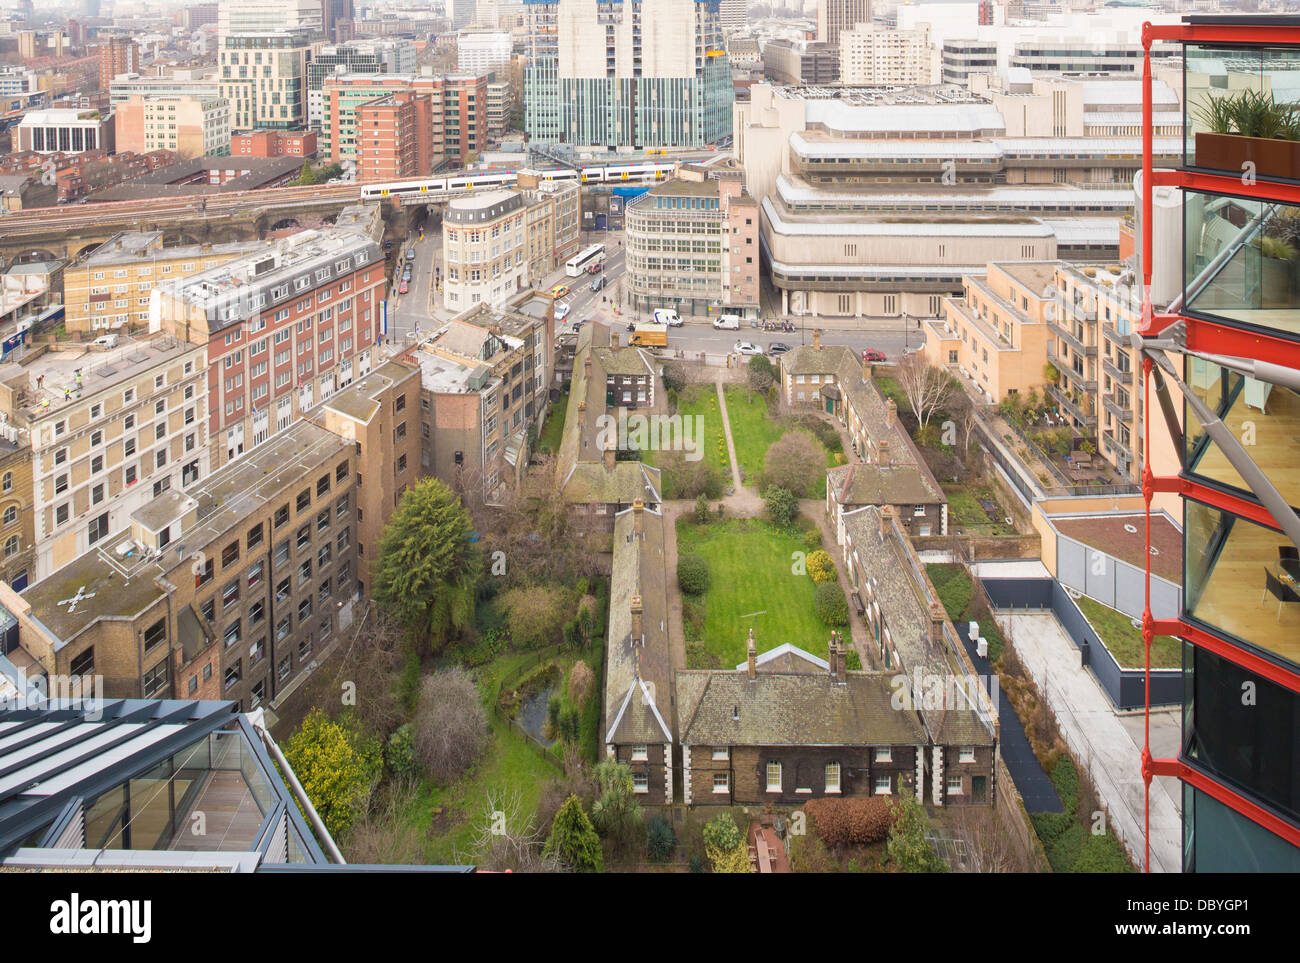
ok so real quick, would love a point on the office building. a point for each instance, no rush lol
(733, 15)
(836, 16)
(284, 330)
(117, 55)
(336, 20)
(801, 62)
(64, 131)
(692, 245)
(394, 136)
(199, 84)
(264, 76)
(482, 51)
(631, 76)
(395, 56)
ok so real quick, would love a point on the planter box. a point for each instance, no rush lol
(1228, 152)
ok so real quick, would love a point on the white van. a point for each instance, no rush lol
(106, 341)
(667, 316)
(727, 322)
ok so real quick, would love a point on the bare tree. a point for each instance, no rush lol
(989, 847)
(450, 729)
(928, 388)
(505, 837)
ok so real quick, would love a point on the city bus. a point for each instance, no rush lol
(576, 265)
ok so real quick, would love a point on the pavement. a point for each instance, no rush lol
(1108, 744)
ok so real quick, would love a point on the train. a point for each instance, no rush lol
(473, 180)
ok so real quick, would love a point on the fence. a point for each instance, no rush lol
(1125, 687)
(1014, 818)
(981, 547)
(1029, 487)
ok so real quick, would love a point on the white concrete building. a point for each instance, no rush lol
(482, 51)
(870, 55)
(483, 247)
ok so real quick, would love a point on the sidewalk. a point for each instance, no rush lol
(1101, 739)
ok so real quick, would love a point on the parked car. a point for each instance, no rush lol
(667, 316)
(410, 254)
(599, 283)
(747, 347)
(873, 354)
(727, 322)
(559, 291)
(778, 347)
(403, 288)
(561, 310)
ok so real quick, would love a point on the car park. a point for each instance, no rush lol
(747, 347)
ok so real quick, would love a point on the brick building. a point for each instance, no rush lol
(394, 136)
(274, 143)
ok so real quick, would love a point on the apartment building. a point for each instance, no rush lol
(879, 203)
(184, 125)
(394, 136)
(483, 51)
(801, 62)
(458, 123)
(111, 287)
(485, 379)
(500, 102)
(692, 245)
(870, 55)
(17, 510)
(396, 56)
(109, 430)
(264, 77)
(284, 329)
(117, 55)
(496, 243)
(274, 143)
(227, 591)
(627, 77)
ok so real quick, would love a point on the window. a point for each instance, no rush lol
(256, 613)
(304, 536)
(640, 753)
(322, 485)
(155, 680)
(323, 520)
(304, 572)
(12, 545)
(721, 753)
(205, 576)
(885, 755)
(640, 782)
(954, 785)
(254, 536)
(194, 684)
(84, 664)
(721, 782)
(304, 610)
(966, 754)
(230, 554)
(233, 632)
(282, 552)
(281, 516)
(341, 473)
(341, 506)
(832, 777)
(11, 515)
(230, 594)
(8, 482)
(882, 786)
(283, 627)
(61, 484)
(304, 499)
(60, 515)
(255, 572)
(233, 673)
(257, 651)
(773, 777)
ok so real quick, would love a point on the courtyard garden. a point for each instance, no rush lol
(1124, 639)
(755, 432)
(751, 567)
(710, 474)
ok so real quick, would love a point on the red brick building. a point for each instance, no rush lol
(274, 143)
(394, 136)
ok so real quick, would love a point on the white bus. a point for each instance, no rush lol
(577, 265)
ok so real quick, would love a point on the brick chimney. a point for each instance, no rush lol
(636, 619)
(610, 458)
(817, 338)
(884, 455)
(836, 658)
(936, 623)
(891, 412)
(751, 655)
(886, 521)
(613, 340)
(866, 368)
(638, 516)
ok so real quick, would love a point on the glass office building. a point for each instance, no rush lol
(1232, 338)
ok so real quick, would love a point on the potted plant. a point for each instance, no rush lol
(1249, 127)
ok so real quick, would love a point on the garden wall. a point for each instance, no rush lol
(1114, 582)
(982, 548)
(1124, 687)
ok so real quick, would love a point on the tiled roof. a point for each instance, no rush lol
(863, 484)
(792, 709)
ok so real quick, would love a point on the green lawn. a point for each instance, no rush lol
(553, 430)
(702, 400)
(750, 571)
(1125, 641)
(754, 431)
(967, 514)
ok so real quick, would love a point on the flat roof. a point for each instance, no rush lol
(1111, 535)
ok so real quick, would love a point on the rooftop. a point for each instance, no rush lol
(1037, 276)
(1123, 536)
(359, 399)
(140, 245)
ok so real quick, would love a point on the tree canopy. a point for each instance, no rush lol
(428, 568)
(337, 766)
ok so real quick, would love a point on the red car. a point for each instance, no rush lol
(873, 354)
(402, 288)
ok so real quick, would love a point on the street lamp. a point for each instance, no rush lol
(906, 325)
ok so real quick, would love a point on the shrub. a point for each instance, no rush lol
(573, 840)
(761, 374)
(812, 539)
(450, 729)
(674, 378)
(831, 606)
(908, 848)
(853, 661)
(535, 614)
(660, 840)
(841, 822)
(725, 845)
(782, 506)
(1101, 854)
(692, 574)
(794, 462)
(1066, 780)
(399, 754)
(581, 683)
(820, 567)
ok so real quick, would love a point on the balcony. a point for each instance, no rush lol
(1070, 405)
(1124, 377)
(1112, 334)
(1066, 335)
(1120, 413)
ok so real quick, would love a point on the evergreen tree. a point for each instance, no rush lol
(573, 840)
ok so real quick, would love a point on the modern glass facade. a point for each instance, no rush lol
(1237, 325)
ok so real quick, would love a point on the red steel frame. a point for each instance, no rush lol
(1211, 338)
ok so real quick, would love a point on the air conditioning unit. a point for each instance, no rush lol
(973, 629)
(982, 648)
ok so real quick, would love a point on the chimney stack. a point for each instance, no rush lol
(836, 658)
(638, 516)
(936, 623)
(751, 655)
(883, 455)
(613, 340)
(610, 458)
(817, 339)
(636, 619)
(891, 412)
(886, 521)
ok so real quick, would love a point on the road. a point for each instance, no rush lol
(409, 313)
